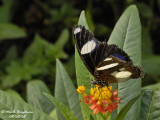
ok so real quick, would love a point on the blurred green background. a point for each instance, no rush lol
(33, 33)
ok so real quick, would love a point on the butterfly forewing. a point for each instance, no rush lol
(90, 49)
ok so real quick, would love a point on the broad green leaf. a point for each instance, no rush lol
(61, 107)
(66, 92)
(127, 35)
(12, 104)
(146, 104)
(53, 114)
(150, 107)
(36, 98)
(82, 20)
(153, 87)
(126, 108)
(10, 31)
(70, 68)
(82, 74)
(147, 43)
(145, 10)
(151, 64)
(15, 94)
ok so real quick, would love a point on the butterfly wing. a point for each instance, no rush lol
(105, 62)
(113, 70)
(90, 49)
(93, 51)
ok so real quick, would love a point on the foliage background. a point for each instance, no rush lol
(34, 33)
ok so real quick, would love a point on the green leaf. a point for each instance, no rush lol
(35, 97)
(102, 30)
(146, 104)
(14, 75)
(89, 16)
(82, 74)
(70, 67)
(154, 87)
(22, 71)
(40, 50)
(126, 108)
(151, 64)
(56, 50)
(158, 2)
(11, 54)
(10, 103)
(66, 92)
(53, 114)
(35, 52)
(15, 94)
(82, 20)
(91, 118)
(127, 35)
(150, 107)
(63, 38)
(5, 11)
(10, 31)
(130, 1)
(146, 40)
(145, 10)
(64, 110)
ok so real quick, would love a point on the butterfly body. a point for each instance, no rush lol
(107, 63)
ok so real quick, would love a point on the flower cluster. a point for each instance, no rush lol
(100, 99)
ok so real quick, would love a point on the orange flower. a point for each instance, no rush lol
(97, 106)
(114, 101)
(101, 99)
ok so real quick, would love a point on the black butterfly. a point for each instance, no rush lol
(107, 63)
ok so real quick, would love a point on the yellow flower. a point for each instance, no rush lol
(92, 91)
(96, 96)
(110, 88)
(81, 89)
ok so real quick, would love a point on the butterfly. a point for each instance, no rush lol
(107, 63)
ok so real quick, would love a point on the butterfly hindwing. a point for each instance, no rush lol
(114, 70)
